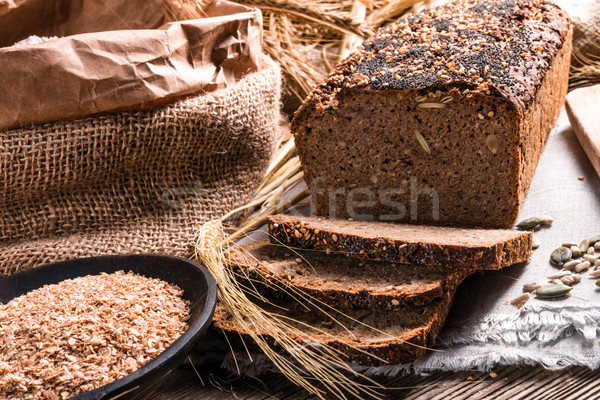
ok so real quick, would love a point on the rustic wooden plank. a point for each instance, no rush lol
(570, 387)
(587, 392)
(511, 384)
(519, 384)
(582, 108)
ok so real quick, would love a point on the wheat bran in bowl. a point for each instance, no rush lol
(68, 338)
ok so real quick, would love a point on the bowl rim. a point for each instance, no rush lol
(182, 344)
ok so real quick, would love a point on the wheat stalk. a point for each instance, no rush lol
(350, 42)
(391, 10)
(305, 364)
(310, 12)
(586, 72)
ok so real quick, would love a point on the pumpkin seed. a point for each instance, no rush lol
(570, 265)
(559, 275)
(594, 240)
(560, 256)
(584, 246)
(575, 250)
(535, 243)
(529, 223)
(582, 266)
(598, 283)
(530, 287)
(552, 291)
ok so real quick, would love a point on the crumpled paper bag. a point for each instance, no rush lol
(117, 55)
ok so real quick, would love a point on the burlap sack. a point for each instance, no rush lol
(134, 182)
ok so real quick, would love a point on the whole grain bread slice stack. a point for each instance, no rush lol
(379, 293)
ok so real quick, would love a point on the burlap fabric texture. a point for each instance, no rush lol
(135, 182)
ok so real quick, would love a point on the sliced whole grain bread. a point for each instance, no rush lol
(440, 117)
(478, 249)
(334, 279)
(379, 338)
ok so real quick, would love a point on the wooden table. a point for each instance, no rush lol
(510, 384)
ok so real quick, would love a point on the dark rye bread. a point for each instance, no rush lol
(392, 340)
(440, 118)
(339, 281)
(475, 249)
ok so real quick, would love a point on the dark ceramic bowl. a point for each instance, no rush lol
(198, 286)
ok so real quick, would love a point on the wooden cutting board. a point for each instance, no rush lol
(583, 108)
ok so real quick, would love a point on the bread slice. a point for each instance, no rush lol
(478, 249)
(389, 337)
(339, 281)
(440, 118)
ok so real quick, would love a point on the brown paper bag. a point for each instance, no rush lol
(90, 180)
(113, 57)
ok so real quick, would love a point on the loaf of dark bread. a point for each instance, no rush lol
(441, 117)
(474, 249)
(365, 337)
(334, 279)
